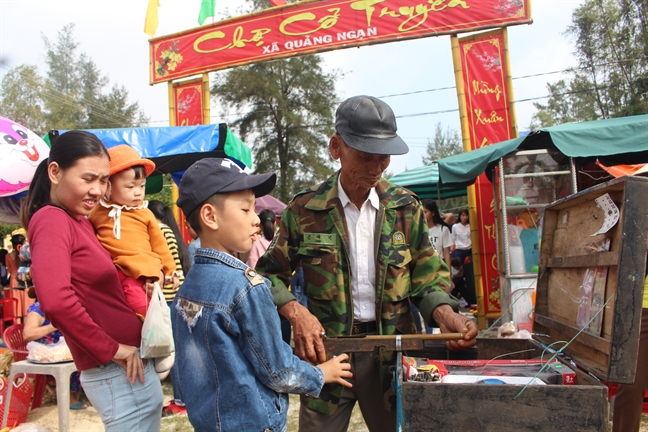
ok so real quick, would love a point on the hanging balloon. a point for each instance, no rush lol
(21, 150)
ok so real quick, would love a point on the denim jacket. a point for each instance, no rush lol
(235, 371)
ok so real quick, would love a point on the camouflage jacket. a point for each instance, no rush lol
(408, 268)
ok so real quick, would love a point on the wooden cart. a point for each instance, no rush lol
(611, 356)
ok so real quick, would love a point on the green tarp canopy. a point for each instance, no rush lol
(424, 182)
(615, 141)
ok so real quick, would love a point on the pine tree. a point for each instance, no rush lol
(284, 110)
(611, 39)
(69, 95)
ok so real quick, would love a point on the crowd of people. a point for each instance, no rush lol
(365, 253)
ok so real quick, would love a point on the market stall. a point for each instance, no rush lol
(530, 172)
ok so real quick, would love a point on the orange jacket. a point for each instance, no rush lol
(141, 249)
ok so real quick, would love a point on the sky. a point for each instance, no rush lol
(111, 33)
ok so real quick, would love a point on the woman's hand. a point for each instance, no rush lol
(128, 358)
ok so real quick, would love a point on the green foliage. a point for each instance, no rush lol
(445, 143)
(20, 97)
(69, 95)
(611, 39)
(165, 194)
(285, 111)
(5, 229)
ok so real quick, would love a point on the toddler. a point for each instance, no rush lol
(130, 232)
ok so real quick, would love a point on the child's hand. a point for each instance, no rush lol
(335, 371)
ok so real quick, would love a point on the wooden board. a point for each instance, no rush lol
(480, 407)
(569, 225)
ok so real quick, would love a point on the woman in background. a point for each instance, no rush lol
(439, 230)
(175, 241)
(41, 330)
(461, 237)
(260, 245)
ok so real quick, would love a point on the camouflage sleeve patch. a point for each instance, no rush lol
(254, 277)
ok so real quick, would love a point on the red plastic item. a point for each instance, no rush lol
(9, 308)
(612, 388)
(13, 338)
(20, 398)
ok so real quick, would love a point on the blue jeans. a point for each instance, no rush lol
(122, 405)
(175, 375)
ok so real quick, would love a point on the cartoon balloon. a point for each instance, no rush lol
(21, 150)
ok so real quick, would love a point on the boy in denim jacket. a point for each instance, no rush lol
(235, 371)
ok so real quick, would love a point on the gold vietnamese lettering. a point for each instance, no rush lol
(209, 36)
(494, 118)
(482, 87)
(367, 6)
(490, 230)
(326, 22)
(237, 39)
(417, 15)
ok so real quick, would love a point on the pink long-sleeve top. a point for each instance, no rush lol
(78, 288)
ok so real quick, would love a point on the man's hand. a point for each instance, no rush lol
(307, 331)
(451, 322)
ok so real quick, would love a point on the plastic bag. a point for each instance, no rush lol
(506, 330)
(157, 334)
(49, 353)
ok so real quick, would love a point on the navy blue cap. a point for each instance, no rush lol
(210, 176)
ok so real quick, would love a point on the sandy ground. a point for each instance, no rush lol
(86, 420)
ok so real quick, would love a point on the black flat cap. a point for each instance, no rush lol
(368, 125)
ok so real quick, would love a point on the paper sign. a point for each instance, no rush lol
(611, 211)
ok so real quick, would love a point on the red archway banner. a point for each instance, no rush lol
(315, 26)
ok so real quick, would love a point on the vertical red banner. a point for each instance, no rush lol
(189, 99)
(483, 64)
(189, 103)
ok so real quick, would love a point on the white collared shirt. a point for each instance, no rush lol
(360, 226)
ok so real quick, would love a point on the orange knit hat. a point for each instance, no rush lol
(124, 156)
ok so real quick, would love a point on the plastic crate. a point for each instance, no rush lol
(20, 399)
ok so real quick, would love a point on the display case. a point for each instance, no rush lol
(525, 183)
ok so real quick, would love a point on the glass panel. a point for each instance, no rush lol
(532, 180)
(536, 178)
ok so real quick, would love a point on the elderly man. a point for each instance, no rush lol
(364, 248)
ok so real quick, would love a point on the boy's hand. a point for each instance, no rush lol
(176, 282)
(335, 371)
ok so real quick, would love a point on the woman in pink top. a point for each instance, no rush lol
(260, 245)
(79, 289)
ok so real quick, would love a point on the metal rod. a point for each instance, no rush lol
(435, 336)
